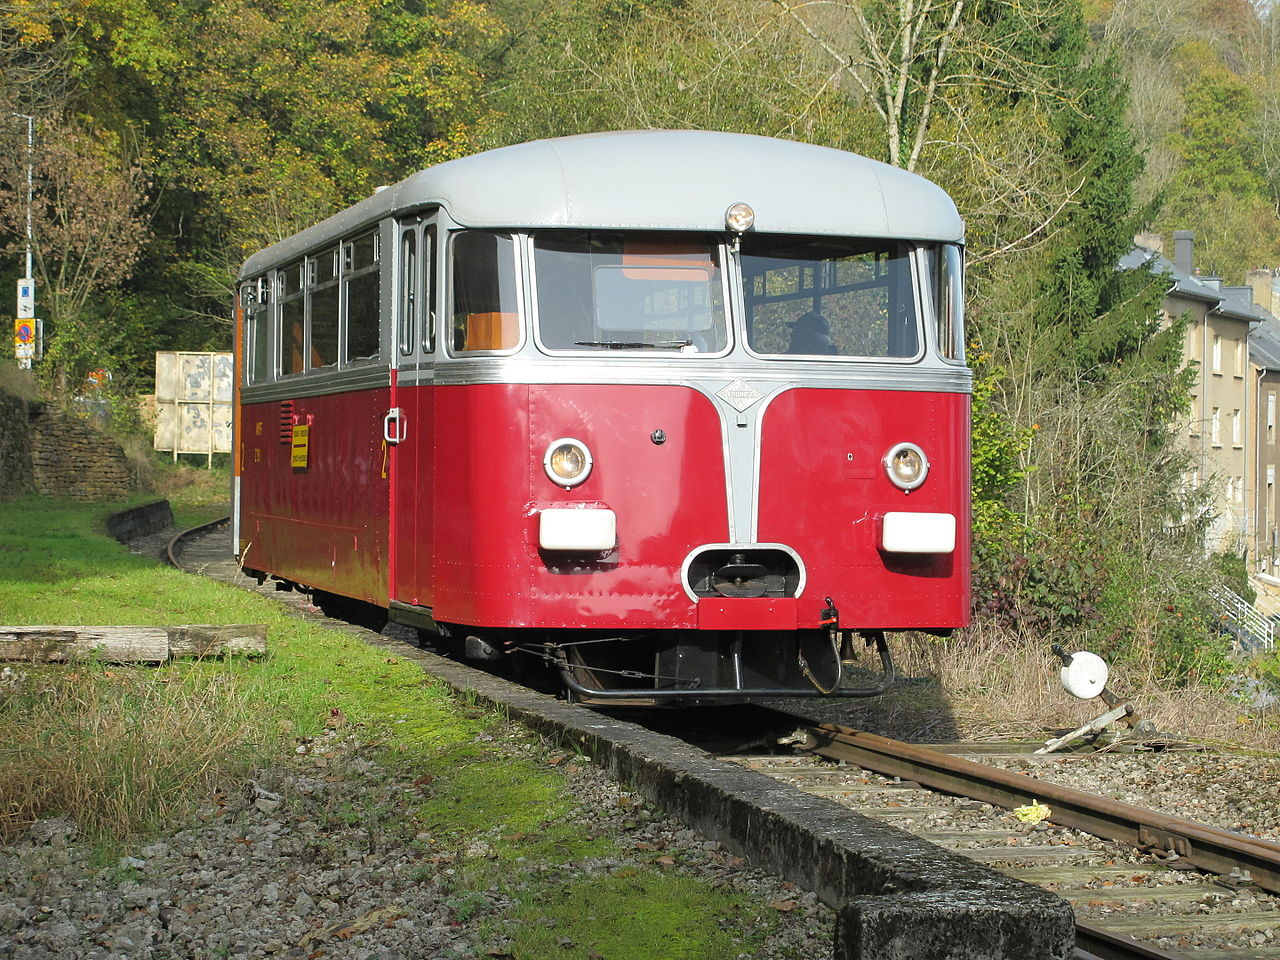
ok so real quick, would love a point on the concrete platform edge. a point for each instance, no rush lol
(897, 897)
(140, 521)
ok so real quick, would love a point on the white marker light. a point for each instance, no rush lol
(739, 218)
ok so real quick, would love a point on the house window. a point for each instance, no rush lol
(1237, 490)
(1215, 428)
(1217, 354)
(1271, 417)
(1240, 358)
(1235, 428)
(1271, 498)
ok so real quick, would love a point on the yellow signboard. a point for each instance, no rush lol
(300, 445)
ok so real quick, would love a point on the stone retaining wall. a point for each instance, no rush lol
(71, 459)
(57, 454)
(16, 478)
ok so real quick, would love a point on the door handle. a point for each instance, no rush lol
(394, 419)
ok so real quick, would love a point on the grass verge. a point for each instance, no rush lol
(128, 751)
(986, 683)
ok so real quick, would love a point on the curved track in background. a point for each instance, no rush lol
(173, 548)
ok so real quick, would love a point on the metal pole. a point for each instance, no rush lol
(31, 152)
(26, 310)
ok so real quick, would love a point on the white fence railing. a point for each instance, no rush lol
(1252, 631)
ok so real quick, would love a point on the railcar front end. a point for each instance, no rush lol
(701, 437)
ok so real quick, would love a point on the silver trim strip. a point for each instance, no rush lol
(235, 516)
(342, 381)
(519, 370)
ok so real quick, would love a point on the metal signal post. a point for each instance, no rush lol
(27, 329)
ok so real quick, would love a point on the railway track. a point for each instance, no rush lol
(1136, 878)
(187, 543)
(1133, 876)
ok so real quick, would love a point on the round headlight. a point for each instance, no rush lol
(567, 462)
(739, 218)
(906, 465)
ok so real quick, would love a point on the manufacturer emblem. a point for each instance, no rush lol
(739, 395)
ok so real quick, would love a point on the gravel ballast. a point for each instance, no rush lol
(278, 867)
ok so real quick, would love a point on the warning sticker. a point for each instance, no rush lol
(300, 445)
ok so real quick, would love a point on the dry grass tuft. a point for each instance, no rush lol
(994, 685)
(117, 749)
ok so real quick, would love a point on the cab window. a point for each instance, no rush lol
(601, 291)
(829, 297)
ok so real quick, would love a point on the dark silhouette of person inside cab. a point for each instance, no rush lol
(810, 334)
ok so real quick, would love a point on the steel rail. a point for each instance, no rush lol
(1095, 943)
(1211, 849)
(1208, 848)
(171, 548)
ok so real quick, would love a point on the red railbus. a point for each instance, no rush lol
(683, 414)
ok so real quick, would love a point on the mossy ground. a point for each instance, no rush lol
(61, 569)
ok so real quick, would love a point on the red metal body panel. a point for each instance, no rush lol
(325, 525)
(824, 492)
(668, 499)
(470, 484)
(754, 613)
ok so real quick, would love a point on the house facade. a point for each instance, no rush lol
(1264, 355)
(1220, 429)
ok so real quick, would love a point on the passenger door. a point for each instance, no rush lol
(412, 510)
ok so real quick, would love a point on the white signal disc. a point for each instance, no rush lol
(1085, 675)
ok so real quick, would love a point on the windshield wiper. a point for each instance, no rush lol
(635, 344)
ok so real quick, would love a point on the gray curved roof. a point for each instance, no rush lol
(659, 179)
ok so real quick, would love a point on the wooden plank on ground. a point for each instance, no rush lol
(130, 644)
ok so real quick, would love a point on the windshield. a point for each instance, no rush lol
(824, 296)
(599, 291)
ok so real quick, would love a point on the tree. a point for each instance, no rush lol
(90, 227)
(33, 59)
(278, 115)
(575, 66)
(909, 58)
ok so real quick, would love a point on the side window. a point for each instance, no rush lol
(429, 289)
(408, 291)
(482, 309)
(322, 304)
(418, 289)
(949, 304)
(255, 296)
(362, 289)
(292, 318)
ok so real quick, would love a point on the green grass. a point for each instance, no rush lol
(61, 569)
(630, 916)
(129, 751)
